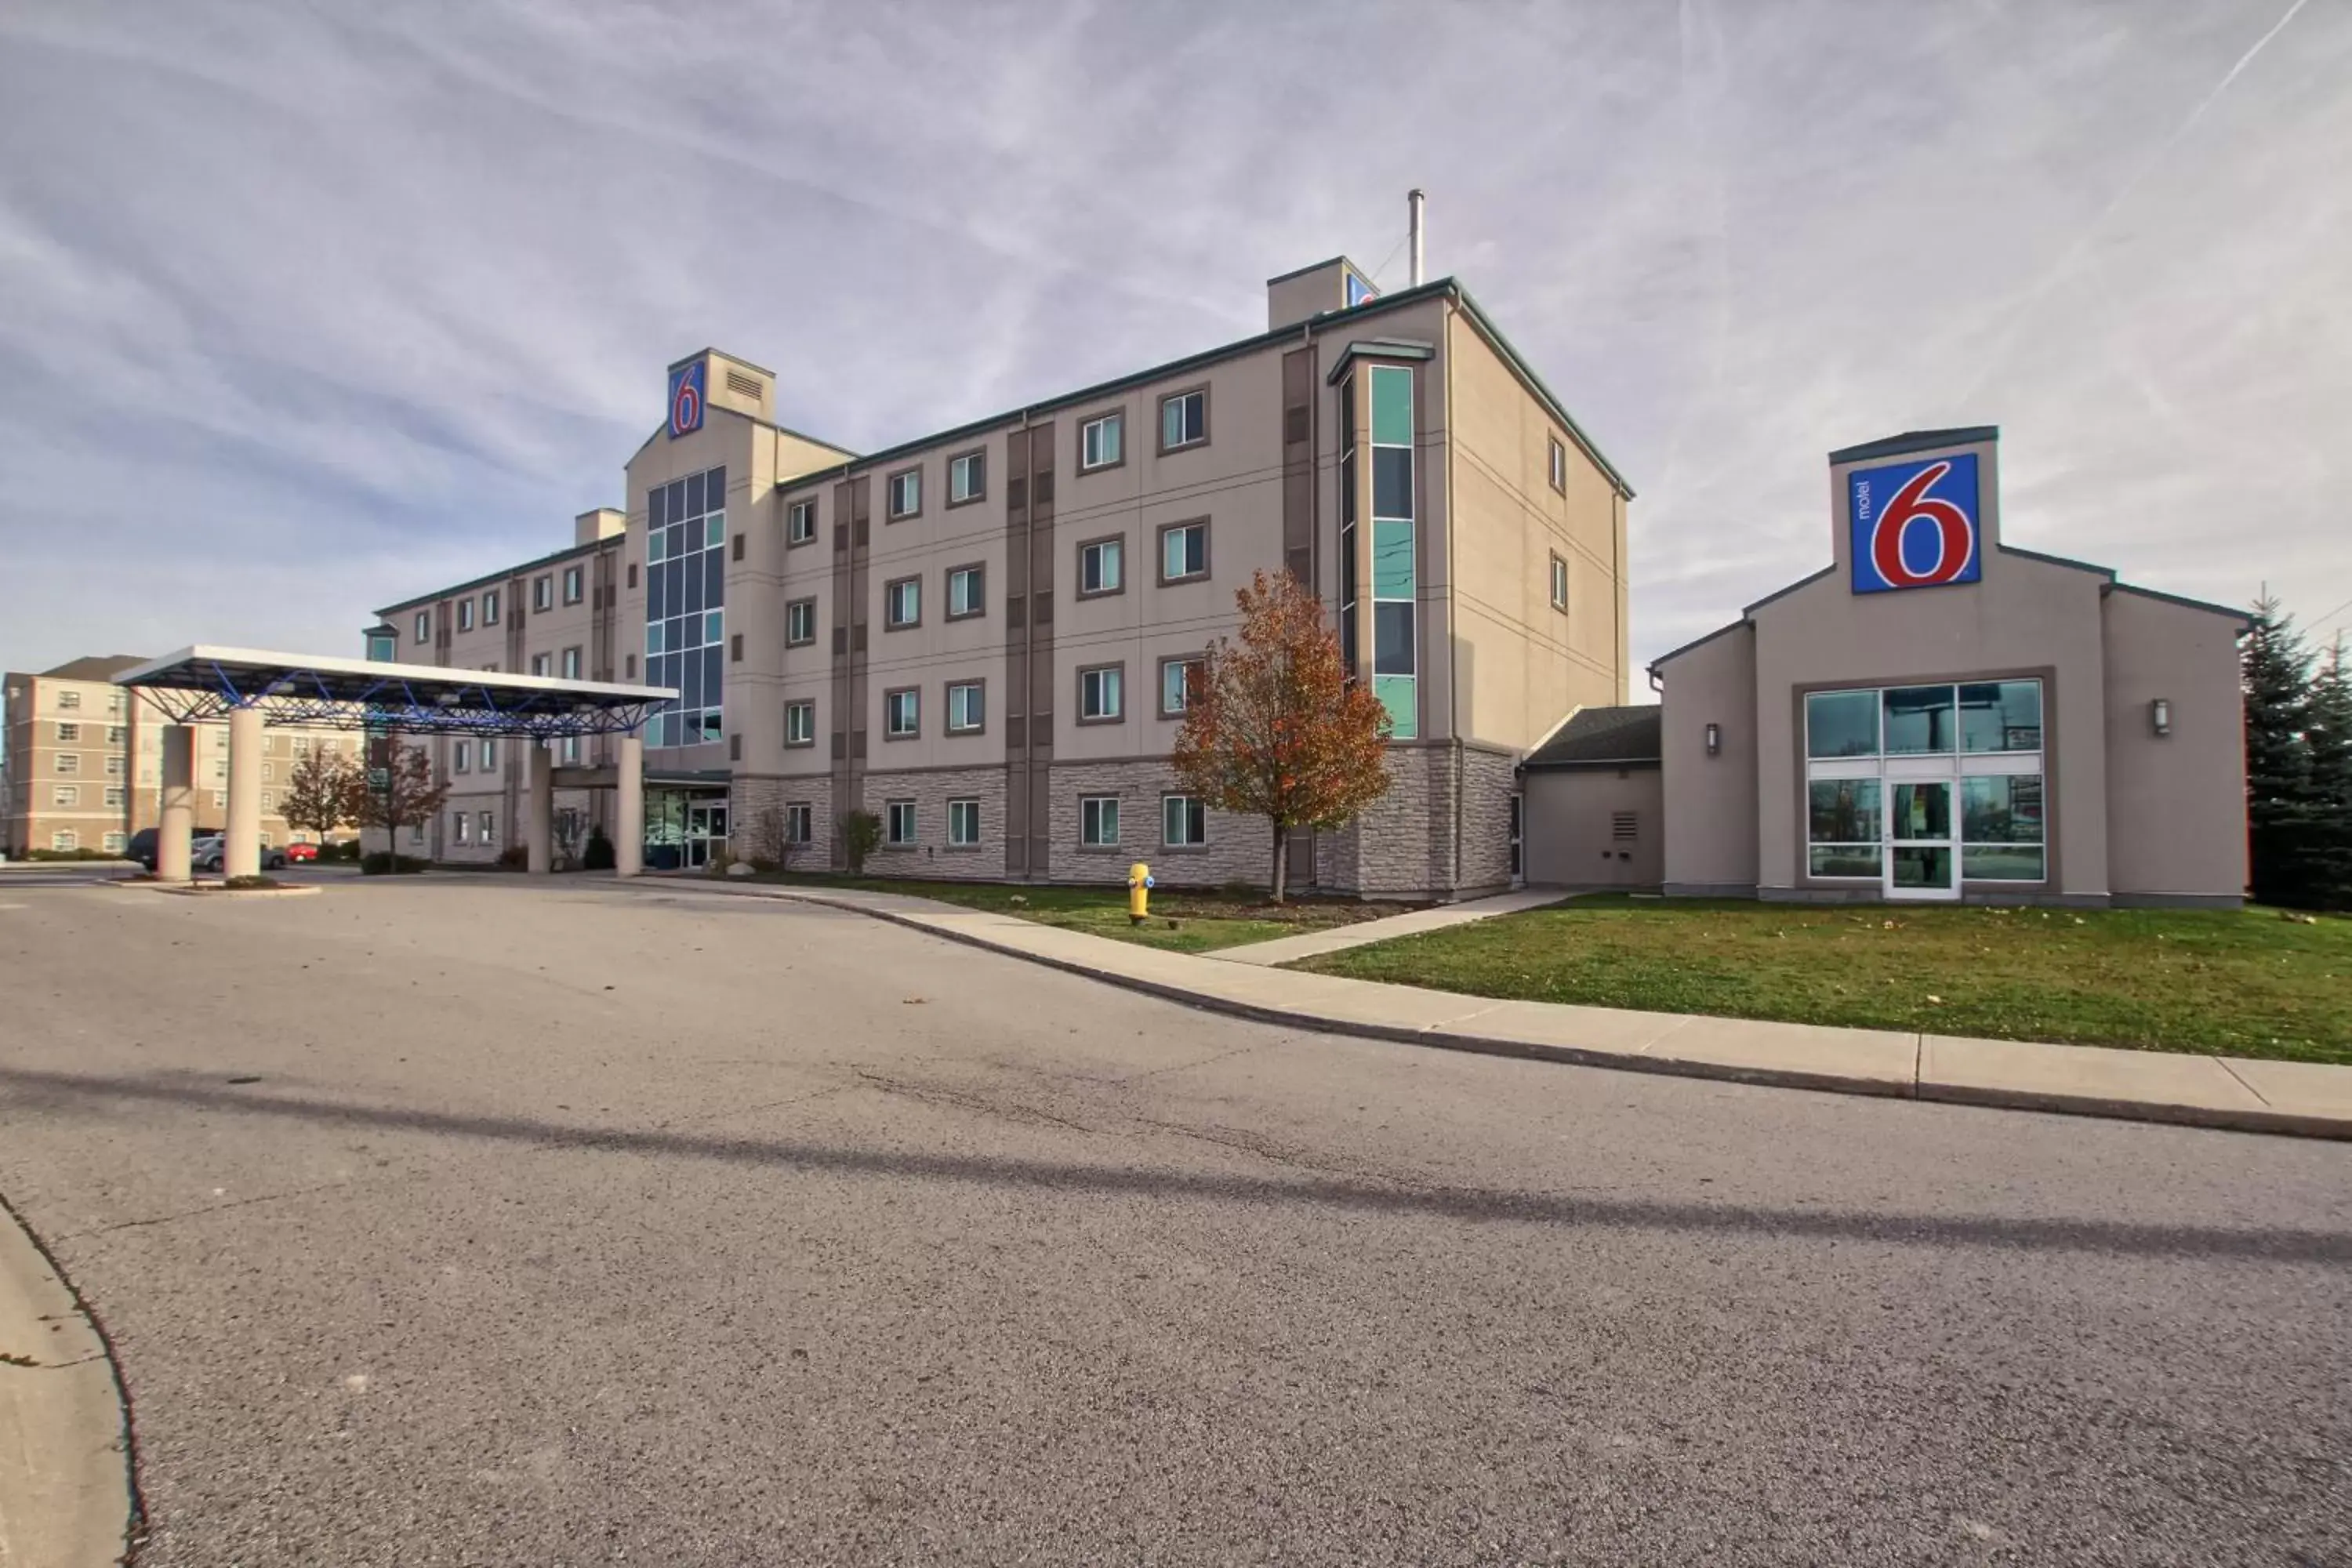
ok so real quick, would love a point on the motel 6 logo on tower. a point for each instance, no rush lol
(686, 399)
(1915, 524)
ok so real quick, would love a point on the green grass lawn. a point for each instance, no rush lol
(2245, 984)
(1181, 921)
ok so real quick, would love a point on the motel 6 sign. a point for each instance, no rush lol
(1915, 524)
(685, 398)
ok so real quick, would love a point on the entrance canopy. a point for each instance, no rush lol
(198, 684)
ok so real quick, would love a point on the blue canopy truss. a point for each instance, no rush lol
(202, 685)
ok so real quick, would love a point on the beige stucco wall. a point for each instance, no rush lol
(1569, 827)
(1523, 664)
(2177, 803)
(1710, 801)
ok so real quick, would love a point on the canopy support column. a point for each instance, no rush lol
(177, 803)
(242, 853)
(629, 807)
(540, 843)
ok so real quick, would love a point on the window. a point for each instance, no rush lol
(461, 756)
(800, 522)
(268, 772)
(2001, 828)
(1101, 443)
(686, 595)
(966, 709)
(906, 491)
(220, 768)
(73, 698)
(489, 607)
(800, 622)
(490, 757)
(68, 733)
(423, 626)
(416, 830)
(1556, 464)
(67, 762)
(65, 839)
(2000, 716)
(1101, 563)
(268, 799)
(963, 824)
(486, 828)
(114, 733)
(539, 663)
(800, 724)
(967, 477)
(902, 712)
(568, 751)
(114, 843)
(466, 615)
(1396, 581)
(1184, 420)
(461, 827)
(65, 795)
(115, 794)
(571, 585)
(1183, 821)
(1176, 679)
(967, 595)
(1841, 725)
(572, 664)
(1560, 584)
(1099, 698)
(1099, 821)
(114, 765)
(902, 602)
(798, 821)
(1184, 550)
(899, 824)
(220, 798)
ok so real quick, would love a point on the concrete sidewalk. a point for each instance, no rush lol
(65, 1453)
(1313, 944)
(2304, 1097)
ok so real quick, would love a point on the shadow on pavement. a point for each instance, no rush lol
(68, 1092)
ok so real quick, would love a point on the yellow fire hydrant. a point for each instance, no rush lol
(1139, 893)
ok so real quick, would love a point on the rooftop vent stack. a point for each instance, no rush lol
(1413, 201)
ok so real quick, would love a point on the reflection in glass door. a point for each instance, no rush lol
(1919, 848)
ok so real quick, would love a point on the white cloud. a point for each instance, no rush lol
(302, 311)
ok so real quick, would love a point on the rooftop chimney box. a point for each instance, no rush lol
(1338, 284)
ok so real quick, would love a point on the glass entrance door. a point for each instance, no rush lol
(706, 829)
(1921, 859)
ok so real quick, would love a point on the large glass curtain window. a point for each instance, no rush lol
(685, 597)
(1395, 579)
(1349, 588)
(1957, 764)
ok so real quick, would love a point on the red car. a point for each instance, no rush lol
(301, 852)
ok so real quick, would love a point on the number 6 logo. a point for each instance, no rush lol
(1881, 561)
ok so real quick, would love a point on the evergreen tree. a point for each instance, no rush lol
(2327, 735)
(2275, 671)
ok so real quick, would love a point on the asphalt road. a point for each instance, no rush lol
(470, 1222)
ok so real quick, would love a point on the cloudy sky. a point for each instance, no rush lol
(307, 307)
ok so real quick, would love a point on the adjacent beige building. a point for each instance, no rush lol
(1936, 715)
(981, 637)
(83, 760)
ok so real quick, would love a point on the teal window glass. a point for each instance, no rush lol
(1919, 721)
(1396, 693)
(1843, 811)
(2002, 863)
(1841, 724)
(2004, 810)
(1393, 481)
(1393, 565)
(2002, 716)
(656, 540)
(1391, 407)
(716, 526)
(1843, 861)
(711, 625)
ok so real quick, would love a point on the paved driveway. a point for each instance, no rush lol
(475, 1222)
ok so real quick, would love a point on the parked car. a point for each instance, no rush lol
(210, 853)
(299, 852)
(143, 848)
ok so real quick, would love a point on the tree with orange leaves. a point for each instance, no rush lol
(1273, 726)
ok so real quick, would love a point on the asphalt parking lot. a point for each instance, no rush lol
(484, 1221)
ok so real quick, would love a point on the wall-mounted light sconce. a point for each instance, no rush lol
(1714, 739)
(2160, 716)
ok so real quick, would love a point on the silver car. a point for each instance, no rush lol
(210, 853)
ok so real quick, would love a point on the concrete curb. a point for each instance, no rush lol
(2221, 1118)
(69, 1489)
